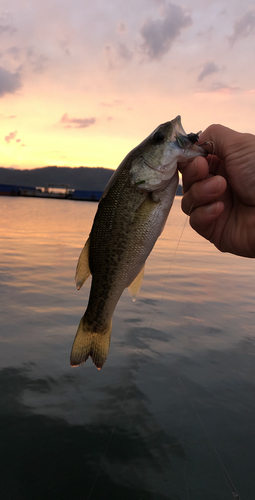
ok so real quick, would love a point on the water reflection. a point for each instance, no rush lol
(141, 338)
(147, 438)
(46, 457)
(187, 341)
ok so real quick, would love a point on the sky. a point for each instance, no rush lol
(83, 82)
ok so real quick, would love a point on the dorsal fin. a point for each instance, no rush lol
(136, 284)
(82, 269)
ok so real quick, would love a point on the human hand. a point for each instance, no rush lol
(219, 191)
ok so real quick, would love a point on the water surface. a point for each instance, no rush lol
(179, 378)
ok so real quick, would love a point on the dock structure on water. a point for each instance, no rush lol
(58, 191)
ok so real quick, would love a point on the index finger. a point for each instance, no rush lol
(194, 171)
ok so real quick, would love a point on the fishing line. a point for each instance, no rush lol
(209, 440)
(185, 223)
(229, 481)
(206, 143)
(138, 362)
(213, 448)
(137, 365)
(107, 446)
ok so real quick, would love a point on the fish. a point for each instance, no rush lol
(130, 217)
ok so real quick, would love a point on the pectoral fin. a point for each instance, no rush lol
(83, 270)
(136, 285)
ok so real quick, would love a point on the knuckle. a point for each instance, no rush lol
(195, 192)
(185, 204)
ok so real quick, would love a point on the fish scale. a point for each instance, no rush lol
(130, 217)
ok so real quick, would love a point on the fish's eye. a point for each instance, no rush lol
(158, 137)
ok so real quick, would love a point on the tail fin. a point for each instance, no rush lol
(88, 344)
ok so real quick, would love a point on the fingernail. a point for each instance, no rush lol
(212, 185)
(212, 209)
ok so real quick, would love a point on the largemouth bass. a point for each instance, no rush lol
(130, 217)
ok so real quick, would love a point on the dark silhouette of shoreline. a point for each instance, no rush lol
(79, 178)
(87, 178)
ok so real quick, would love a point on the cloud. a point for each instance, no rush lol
(11, 136)
(115, 102)
(6, 24)
(122, 28)
(9, 82)
(221, 88)
(14, 52)
(64, 45)
(106, 104)
(208, 68)
(124, 52)
(77, 122)
(5, 28)
(37, 61)
(7, 117)
(206, 33)
(159, 34)
(116, 55)
(244, 27)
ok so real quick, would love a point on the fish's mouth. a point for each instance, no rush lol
(166, 147)
(183, 141)
(188, 143)
(183, 145)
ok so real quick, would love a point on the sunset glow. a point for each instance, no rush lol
(82, 83)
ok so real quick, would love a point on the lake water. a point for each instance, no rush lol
(176, 396)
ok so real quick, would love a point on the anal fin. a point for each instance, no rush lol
(136, 284)
(82, 269)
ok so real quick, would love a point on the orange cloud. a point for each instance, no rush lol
(77, 122)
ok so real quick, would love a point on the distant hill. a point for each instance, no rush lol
(84, 178)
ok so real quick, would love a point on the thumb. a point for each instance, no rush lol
(223, 139)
